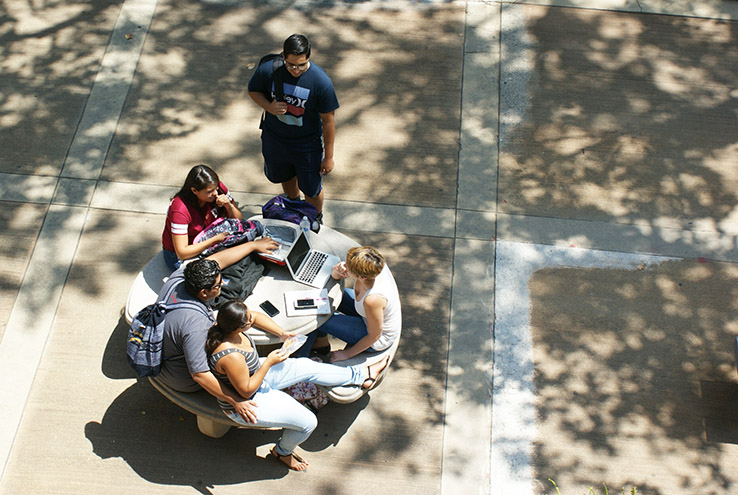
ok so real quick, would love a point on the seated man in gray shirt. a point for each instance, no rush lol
(185, 363)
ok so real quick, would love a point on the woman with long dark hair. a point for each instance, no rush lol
(202, 199)
(234, 361)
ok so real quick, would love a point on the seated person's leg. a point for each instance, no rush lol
(349, 329)
(347, 303)
(170, 258)
(347, 308)
(304, 351)
(277, 409)
(291, 371)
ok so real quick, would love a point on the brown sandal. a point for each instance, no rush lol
(373, 379)
(296, 457)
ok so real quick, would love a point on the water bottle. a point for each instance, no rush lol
(305, 225)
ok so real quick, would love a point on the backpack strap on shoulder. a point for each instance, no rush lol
(278, 77)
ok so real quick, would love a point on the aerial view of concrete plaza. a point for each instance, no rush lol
(552, 182)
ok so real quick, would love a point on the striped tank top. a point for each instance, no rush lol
(252, 361)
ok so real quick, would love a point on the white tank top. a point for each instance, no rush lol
(385, 286)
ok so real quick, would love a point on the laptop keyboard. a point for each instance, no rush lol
(312, 266)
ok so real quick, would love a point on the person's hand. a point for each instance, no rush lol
(221, 236)
(286, 335)
(265, 244)
(339, 356)
(222, 200)
(277, 107)
(276, 356)
(339, 270)
(246, 409)
(326, 166)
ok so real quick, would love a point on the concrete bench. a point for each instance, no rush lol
(146, 286)
(212, 422)
(210, 418)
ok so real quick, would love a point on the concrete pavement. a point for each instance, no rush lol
(552, 182)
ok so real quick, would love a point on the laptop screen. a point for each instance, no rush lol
(300, 249)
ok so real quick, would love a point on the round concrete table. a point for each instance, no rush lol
(210, 419)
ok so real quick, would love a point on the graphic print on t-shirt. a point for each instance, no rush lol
(296, 98)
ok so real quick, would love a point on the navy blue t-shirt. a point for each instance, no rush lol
(306, 96)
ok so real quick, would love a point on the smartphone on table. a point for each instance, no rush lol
(269, 308)
(305, 303)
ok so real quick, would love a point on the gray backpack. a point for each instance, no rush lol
(146, 334)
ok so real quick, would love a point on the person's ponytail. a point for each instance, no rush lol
(231, 316)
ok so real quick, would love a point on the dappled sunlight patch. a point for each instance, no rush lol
(30, 19)
(682, 81)
(164, 66)
(229, 27)
(632, 147)
(724, 161)
(619, 385)
(14, 107)
(622, 119)
(22, 59)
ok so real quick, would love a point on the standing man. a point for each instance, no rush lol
(298, 133)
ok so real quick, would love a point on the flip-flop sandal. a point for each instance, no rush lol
(373, 379)
(279, 456)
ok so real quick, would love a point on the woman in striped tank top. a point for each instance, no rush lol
(235, 361)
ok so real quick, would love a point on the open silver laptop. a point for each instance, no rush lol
(285, 237)
(309, 266)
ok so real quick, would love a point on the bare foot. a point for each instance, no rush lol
(292, 461)
(373, 372)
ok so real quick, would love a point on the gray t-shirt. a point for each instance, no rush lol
(185, 333)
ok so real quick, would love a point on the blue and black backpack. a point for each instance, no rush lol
(145, 336)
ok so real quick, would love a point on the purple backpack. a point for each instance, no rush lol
(239, 231)
(291, 210)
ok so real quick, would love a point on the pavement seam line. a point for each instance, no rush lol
(514, 396)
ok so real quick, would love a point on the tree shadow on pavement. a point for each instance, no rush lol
(628, 382)
(622, 118)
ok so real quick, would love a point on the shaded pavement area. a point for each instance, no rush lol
(553, 186)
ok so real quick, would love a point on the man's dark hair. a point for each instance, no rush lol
(296, 44)
(199, 275)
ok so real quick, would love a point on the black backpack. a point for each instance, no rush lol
(277, 73)
(146, 334)
(277, 76)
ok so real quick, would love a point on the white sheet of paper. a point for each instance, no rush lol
(321, 298)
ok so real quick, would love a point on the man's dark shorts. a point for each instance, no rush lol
(281, 164)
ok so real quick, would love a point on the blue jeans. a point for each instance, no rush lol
(346, 324)
(277, 409)
(170, 258)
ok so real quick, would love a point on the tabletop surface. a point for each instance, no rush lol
(277, 281)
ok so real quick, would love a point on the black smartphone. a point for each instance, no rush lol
(305, 303)
(269, 308)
